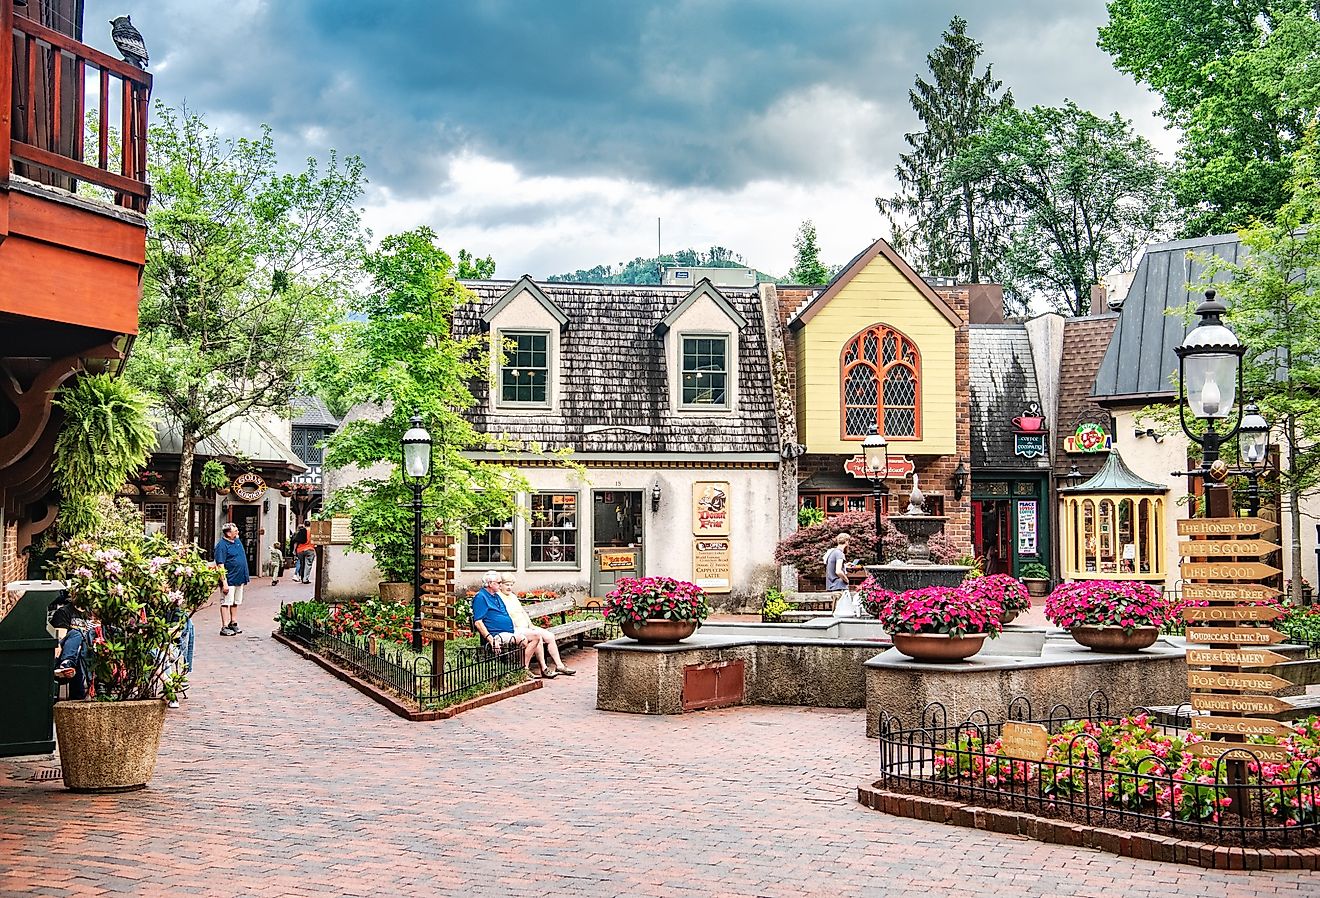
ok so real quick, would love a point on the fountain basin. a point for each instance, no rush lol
(899, 576)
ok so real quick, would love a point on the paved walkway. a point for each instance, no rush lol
(275, 779)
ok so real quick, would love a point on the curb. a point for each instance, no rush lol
(390, 701)
(1125, 843)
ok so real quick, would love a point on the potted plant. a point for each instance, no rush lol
(1109, 615)
(657, 610)
(1008, 592)
(138, 591)
(214, 477)
(1036, 577)
(937, 623)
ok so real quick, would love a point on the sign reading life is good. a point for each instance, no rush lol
(1024, 741)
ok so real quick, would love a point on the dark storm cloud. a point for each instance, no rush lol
(667, 93)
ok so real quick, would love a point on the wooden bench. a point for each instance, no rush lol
(565, 629)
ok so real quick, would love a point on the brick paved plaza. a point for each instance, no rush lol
(276, 779)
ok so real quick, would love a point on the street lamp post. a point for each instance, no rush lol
(876, 450)
(1253, 449)
(417, 471)
(1210, 376)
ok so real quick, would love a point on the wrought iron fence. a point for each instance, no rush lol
(404, 672)
(1084, 780)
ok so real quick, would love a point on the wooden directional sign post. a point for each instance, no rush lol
(438, 623)
(1226, 592)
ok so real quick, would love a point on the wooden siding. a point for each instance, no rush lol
(878, 294)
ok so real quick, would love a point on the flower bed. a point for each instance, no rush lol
(1125, 773)
(1007, 592)
(373, 617)
(946, 610)
(636, 599)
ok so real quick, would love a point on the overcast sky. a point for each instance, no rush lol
(553, 133)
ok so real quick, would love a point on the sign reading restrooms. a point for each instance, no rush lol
(1221, 587)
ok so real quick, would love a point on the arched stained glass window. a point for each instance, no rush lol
(881, 375)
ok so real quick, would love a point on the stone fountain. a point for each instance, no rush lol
(918, 571)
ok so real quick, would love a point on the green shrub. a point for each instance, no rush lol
(810, 517)
(1034, 570)
(773, 606)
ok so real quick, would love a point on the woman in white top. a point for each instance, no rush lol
(522, 626)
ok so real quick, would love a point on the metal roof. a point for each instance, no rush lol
(1115, 477)
(1140, 361)
(245, 438)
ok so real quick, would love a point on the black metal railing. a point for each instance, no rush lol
(468, 669)
(1084, 780)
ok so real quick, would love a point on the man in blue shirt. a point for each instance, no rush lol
(232, 557)
(491, 620)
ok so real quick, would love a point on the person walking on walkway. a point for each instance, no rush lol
(304, 553)
(836, 577)
(232, 557)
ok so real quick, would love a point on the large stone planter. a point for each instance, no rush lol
(396, 592)
(938, 646)
(1115, 639)
(108, 746)
(658, 631)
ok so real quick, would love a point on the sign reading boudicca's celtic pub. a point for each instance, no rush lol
(900, 466)
(248, 487)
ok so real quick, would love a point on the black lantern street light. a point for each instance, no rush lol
(1253, 448)
(960, 480)
(1074, 475)
(875, 449)
(1210, 376)
(417, 471)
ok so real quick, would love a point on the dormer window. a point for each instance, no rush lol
(705, 371)
(525, 371)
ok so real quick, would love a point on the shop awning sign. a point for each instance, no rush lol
(1029, 445)
(1088, 438)
(900, 466)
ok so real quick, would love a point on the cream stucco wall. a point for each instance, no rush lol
(667, 533)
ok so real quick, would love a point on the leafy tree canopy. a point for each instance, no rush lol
(243, 265)
(1241, 78)
(1081, 194)
(647, 271)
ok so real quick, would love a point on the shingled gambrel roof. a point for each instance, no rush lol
(1003, 385)
(1140, 357)
(614, 385)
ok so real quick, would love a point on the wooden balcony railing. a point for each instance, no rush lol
(44, 102)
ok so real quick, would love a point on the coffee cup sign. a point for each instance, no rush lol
(1028, 423)
(248, 487)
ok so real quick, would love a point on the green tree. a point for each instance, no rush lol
(947, 226)
(1239, 78)
(398, 355)
(647, 271)
(473, 268)
(1082, 193)
(807, 267)
(1274, 304)
(244, 265)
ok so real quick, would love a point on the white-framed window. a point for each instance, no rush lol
(489, 547)
(552, 530)
(704, 371)
(524, 377)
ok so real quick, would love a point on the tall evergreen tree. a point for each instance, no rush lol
(807, 267)
(947, 227)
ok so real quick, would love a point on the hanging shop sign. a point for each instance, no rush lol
(1027, 527)
(248, 487)
(1029, 445)
(1088, 439)
(1224, 526)
(712, 564)
(710, 508)
(618, 560)
(900, 466)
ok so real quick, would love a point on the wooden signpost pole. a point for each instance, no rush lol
(1223, 581)
(438, 624)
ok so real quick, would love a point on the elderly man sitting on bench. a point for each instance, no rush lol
(491, 619)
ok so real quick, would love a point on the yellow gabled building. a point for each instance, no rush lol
(879, 347)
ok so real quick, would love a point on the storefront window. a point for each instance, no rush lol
(1116, 537)
(552, 529)
(490, 547)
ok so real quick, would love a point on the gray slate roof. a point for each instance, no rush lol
(311, 411)
(614, 375)
(1003, 385)
(1140, 358)
(1116, 477)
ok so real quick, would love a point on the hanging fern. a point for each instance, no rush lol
(106, 436)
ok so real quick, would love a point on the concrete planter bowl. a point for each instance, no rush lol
(108, 746)
(938, 647)
(1115, 639)
(659, 631)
